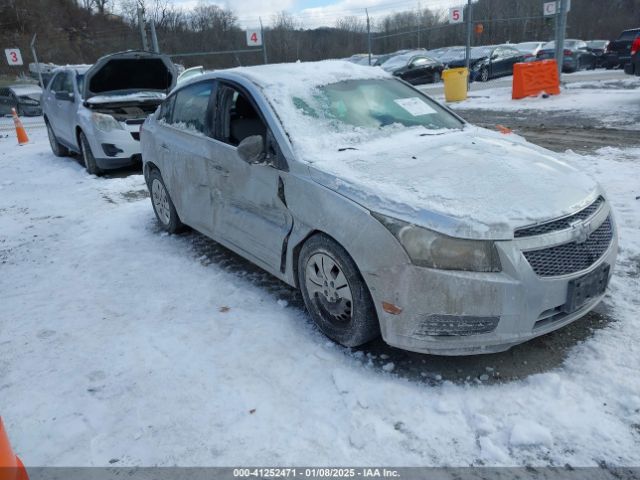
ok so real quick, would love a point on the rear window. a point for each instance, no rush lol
(629, 34)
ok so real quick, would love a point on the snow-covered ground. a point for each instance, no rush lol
(120, 342)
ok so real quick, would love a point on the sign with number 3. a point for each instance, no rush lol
(13, 56)
(254, 37)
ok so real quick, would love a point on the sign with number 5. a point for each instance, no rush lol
(456, 14)
(254, 37)
(13, 56)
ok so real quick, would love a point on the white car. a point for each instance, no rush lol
(97, 110)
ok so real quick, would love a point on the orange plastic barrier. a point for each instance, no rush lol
(533, 78)
(11, 468)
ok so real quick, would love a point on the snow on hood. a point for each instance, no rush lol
(472, 183)
(130, 97)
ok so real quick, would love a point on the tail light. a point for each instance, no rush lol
(567, 53)
(635, 46)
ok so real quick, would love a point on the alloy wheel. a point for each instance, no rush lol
(161, 201)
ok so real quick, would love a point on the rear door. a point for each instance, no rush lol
(185, 152)
(63, 103)
(253, 217)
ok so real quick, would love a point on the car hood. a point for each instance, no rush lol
(129, 72)
(472, 183)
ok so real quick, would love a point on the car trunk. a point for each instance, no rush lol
(128, 85)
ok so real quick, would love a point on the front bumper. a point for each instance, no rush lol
(117, 148)
(523, 304)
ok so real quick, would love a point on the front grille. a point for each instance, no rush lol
(560, 223)
(455, 325)
(571, 257)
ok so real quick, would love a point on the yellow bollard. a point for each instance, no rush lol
(455, 84)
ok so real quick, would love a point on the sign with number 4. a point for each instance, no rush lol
(254, 37)
(456, 15)
(13, 56)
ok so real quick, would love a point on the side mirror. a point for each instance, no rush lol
(66, 96)
(251, 149)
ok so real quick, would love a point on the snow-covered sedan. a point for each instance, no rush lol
(390, 213)
(97, 110)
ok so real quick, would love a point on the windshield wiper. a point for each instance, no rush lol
(346, 148)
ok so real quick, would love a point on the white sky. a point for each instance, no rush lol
(315, 13)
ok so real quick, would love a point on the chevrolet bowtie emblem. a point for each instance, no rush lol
(581, 232)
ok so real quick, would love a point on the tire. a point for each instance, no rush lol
(484, 74)
(335, 293)
(87, 156)
(57, 148)
(162, 204)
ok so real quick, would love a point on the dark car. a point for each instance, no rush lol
(24, 98)
(488, 62)
(414, 67)
(619, 50)
(633, 67)
(576, 55)
(598, 48)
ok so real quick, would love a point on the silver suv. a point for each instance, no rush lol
(389, 212)
(97, 110)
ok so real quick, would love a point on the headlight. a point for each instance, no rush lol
(427, 248)
(476, 66)
(106, 123)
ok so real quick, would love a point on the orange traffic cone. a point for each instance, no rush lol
(20, 131)
(11, 468)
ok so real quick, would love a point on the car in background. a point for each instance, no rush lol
(633, 67)
(414, 67)
(189, 73)
(576, 55)
(618, 52)
(380, 59)
(25, 98)
(529, 49)
(490, 61)
(97, 111)
(389, 212)
(598, 48)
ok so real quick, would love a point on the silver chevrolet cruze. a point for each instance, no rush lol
(390, 213)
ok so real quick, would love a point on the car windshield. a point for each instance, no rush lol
(374, 105)
(452, 55)
(552, 44)
(597, 43)
(527, 46)
(480, 52)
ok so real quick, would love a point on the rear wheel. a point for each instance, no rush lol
(162, 205)
(87, 156)
(57, 148)
(335, 293)
(484, 74)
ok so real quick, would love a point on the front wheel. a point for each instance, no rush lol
(162, 205)
(335, 293)
(87, 156)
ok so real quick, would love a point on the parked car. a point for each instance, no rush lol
(389, 212)
(414, 67)
(576, 55)
(380, 59)
(97, 111)
(189, 73)
(25, 98)
(618, 52)
(598, 48)
(490, 61)
(529, 50)
(633, 67)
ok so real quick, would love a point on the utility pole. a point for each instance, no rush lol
(467, 56)
(264, 42)
(560, 34)
(35, 59)
(154, 38)
(143, 31)
(368, 35)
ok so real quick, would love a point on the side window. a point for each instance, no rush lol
(166, 109)
(67, 83)
(56, 82)
(191, 105)
(237, 118)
